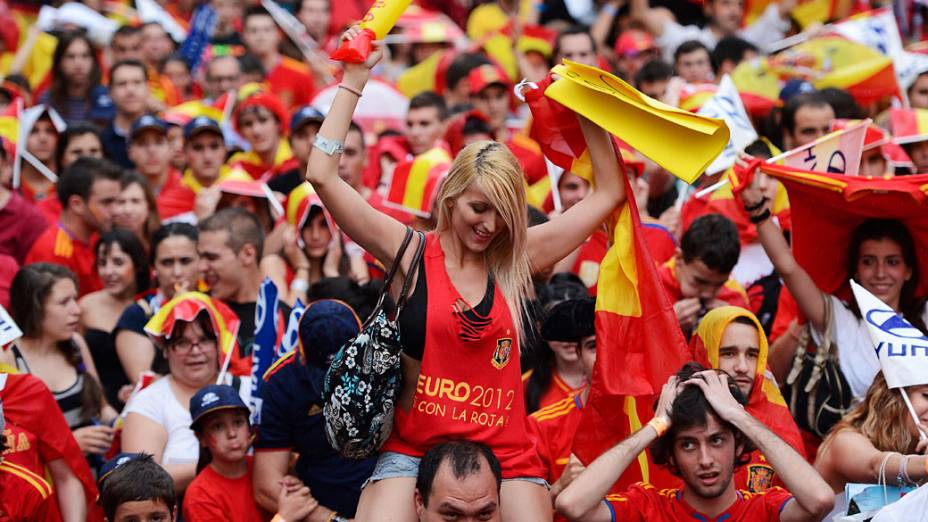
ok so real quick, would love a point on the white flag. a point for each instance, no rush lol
(876, 29)
(838, 152)
(726, 105)
(9, 330)
(901, 348)
(150, 11)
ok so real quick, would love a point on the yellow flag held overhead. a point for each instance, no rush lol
(682, 142)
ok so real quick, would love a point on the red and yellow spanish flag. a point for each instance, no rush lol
(427, 75)
(187, 307)
(827, 207)
(639, 341)
(640, 346)
(415, 183)
(758, 86)
(694, 95)
(832, 61)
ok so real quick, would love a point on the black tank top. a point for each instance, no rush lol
(413, 316)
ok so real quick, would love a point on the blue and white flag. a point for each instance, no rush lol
(9, 330)
(265, 347)
(292, 335)
(901, 348)
(202, 25)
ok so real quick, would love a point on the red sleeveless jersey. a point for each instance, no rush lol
(469, 385)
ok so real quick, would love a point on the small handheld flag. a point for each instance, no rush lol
(901, 348)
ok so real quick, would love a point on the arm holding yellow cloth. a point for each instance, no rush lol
(679, 141)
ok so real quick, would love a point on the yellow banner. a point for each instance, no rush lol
(682, 142)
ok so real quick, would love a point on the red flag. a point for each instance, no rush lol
(639, 341)
(827, 207)
(27, 403)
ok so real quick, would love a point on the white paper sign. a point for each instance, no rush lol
(9, 330)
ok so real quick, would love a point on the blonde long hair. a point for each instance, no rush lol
(882, 418)
(498, 174)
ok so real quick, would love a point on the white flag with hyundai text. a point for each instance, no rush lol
(901, 348)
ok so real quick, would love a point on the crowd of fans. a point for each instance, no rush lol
(160, 161)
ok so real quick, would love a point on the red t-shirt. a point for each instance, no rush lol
(292, 82)
(57, 245)
(555, 427)
(557, 391)
(20, 225)
(644, 502)
(24, 496)
(731, 292)
(8, 269)
(212, 496)
(174, 198)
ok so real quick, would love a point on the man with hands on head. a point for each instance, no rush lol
(701, 431)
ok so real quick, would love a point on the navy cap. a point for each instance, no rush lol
(147, 122)
(794, 87)
(199, 125)
(111, 465)
(214, 397)
(326, 325)
(303, 115)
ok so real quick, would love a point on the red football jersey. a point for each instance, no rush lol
(24, 496)
(557, 391)
(555, 427)
(644, 502)
(732, 292)
(212, 496)
(57, 245)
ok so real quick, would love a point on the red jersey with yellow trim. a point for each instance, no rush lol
(57, 245)
(24, 496)
(22, 448)
(530, 157)
(555, 427)
(469, 383)
(557, 391)
(644, 502)
(731, 292)
(292, 82)
(251, 163)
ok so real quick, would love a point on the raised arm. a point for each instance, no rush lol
(376, 232)
(582, 497)
(653, 20)
(814, 497)
(552, 241)
(809, 298)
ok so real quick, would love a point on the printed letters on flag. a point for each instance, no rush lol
(876, 29)
(837, 153)
(726, 105)
(901, 348)
(265, 350)
(650, 127)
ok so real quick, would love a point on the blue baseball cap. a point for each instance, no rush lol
(147, 122)
(303, 115)
(794, 87)
(212, 398)
(199, 125)
(326, 325)
(110, 466)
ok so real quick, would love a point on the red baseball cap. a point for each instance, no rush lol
(488, 74)
(634, 42)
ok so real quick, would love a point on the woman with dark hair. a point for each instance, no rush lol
(79, 140)
(175, 261)
(51, 348)
(123, 268)
(76, 92)
(136, 208)
(881, 258)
